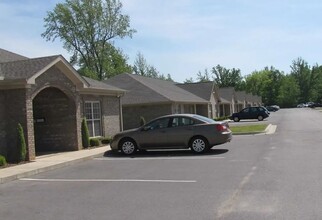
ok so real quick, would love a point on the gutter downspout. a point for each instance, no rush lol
(121, 113)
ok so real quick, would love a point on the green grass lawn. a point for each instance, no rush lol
(248, 128)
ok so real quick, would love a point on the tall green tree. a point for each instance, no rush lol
(87, 29)
(141, 67)
(301, 71)
(265, 83)
(204, 77)
(288, 92)
(224, 77)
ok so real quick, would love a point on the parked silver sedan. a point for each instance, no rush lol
(173, 132)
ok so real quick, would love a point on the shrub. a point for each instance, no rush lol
(94, 142)
(222, 118)
(22, 148)
(3, 161)
(85, 134)
(106, 140)
(142, 121)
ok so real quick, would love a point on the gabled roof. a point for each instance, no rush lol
(226, 94)
(202, 89)
(241, 96)
(7, 56)
(98, 85)
(20, 72)
(24, 69)
(145, 90)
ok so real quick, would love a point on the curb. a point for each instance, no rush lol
(270, 129)
(47, 164)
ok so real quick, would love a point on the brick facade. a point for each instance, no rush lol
(50, 112)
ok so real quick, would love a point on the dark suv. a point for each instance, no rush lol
(259, 113)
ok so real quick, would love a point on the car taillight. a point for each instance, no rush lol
(221, 127)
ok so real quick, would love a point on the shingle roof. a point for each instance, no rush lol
(7, 56)
(241, 96)
(101, 85)
(202, 89)
(226, 94)
(145, 90)
(24, 69)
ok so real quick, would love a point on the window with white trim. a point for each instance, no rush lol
(93, 118)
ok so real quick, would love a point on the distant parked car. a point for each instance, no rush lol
(259, 113)
(316, 105)
(173, 131)
(272, 108)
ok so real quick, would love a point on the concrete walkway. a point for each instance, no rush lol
(49, 162)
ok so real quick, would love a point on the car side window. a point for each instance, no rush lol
(181, 121)
(158, 124)
(245, 110)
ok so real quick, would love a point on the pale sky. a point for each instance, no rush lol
(182, 37)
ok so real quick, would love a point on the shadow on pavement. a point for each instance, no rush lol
(165, 153)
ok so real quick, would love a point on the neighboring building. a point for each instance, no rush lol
(49, 99)
(241, 100)
(207, 91)
(149, 98)
(228, 101)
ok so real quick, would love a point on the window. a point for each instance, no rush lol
(93, 118)
(160, 123)
(181, 121)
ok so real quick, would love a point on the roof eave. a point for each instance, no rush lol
(97, 91)
(65, 67)
(13, 84)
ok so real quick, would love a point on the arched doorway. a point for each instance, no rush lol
(55, 126)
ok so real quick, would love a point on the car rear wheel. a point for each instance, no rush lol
(236, 119)
(260, 118)
(128, 147)
(199, 145)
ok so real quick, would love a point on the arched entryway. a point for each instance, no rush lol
(55, 126)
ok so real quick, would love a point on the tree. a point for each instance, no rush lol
(300, 70)
(265, 83)
(115, 63)
(21, 144)
(224, 77)
(87, 28)
(141, 67)
(288, 92)
(85, 134)
(190, 80)
(204, 77)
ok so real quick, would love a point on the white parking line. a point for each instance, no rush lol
(162, 158)
(108, 180)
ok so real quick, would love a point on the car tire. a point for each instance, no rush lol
(236, 119)
(260, 118)
(128, 147)
(199, 145)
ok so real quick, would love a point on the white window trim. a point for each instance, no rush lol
(92, 115)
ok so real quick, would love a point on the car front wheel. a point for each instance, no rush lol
(128, 147)
(260, 118)
(236, 119)
(199, 145)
